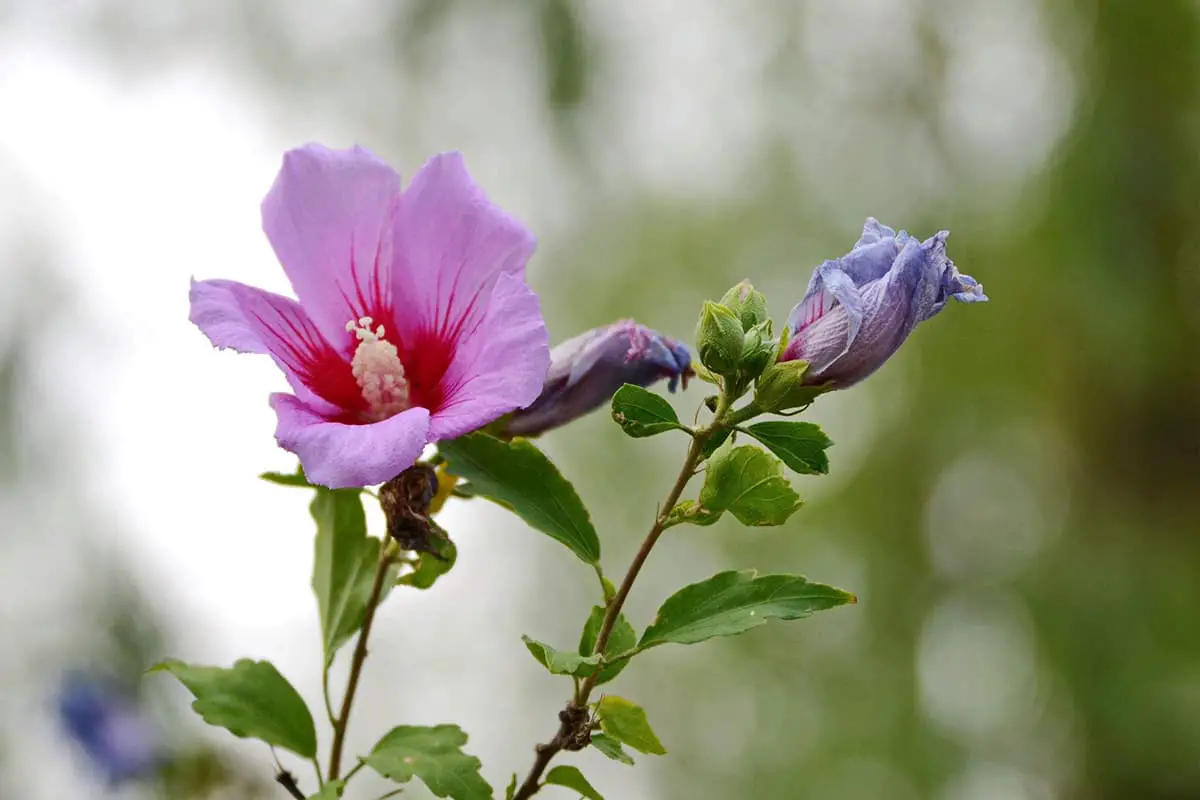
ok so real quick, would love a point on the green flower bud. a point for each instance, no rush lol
(758, 350)
(719, 339)
(748, 304)
(782, 388)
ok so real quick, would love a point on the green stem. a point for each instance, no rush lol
(566, 732)
(328, 700)
(353, 771)
(356, 664)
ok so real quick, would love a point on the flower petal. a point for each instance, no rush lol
(587, 370)
(252, 320)
(962, 288)
(329, 217)
(500, 367)
(452, 244)
(891, 308)
(216, 311)
(830, 287)
(341, 456)
(873, 231)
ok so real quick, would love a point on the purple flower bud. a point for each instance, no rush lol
(108, 727)
(586, 371)
(861, 307)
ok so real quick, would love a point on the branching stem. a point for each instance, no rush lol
(356, 664)
(568, 732)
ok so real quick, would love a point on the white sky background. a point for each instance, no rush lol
(142, 187)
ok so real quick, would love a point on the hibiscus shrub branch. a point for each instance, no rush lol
(414, 325)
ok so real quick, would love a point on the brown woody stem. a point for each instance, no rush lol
(569, 718)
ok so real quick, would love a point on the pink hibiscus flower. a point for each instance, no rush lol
(414, 321)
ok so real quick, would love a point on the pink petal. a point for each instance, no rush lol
(329, 217)
(251, 320)
(215, 311)
(451, 245)
(501, 367)
(341, 456)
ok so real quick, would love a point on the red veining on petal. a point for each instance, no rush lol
(426, 356)
(318, 366)
(816, 307)
(428, 352)
(376, 305)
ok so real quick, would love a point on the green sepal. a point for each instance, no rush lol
(719, 337)
(781, 388)
(758, 351)
(747, 303)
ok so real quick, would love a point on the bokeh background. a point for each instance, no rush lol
(1015, 497)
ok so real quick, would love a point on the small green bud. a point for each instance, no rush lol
(758, 350)
(719, 339)
(747, 303)
(781, 387)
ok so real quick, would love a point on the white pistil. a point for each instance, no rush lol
(378, 371)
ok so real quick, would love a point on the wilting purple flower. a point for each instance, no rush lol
(414, 323)
(861, 307)
(109, 728)
(587, 370)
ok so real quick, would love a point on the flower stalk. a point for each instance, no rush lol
(387, 554)
(574, 721)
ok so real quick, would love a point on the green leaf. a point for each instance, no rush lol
(749, 484)
(626, 722)
(692, 512)
(429, 567)
(288, 478)
(561, 662)
(343, 566)
(642, 413)
(572, 778)
(331, 791)
(623, 638)
(251, 700)
(435, 756)
(521, 478)
(511, 789)
(801, 445)
(715, 442)
(733, 602)
(611, 748)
